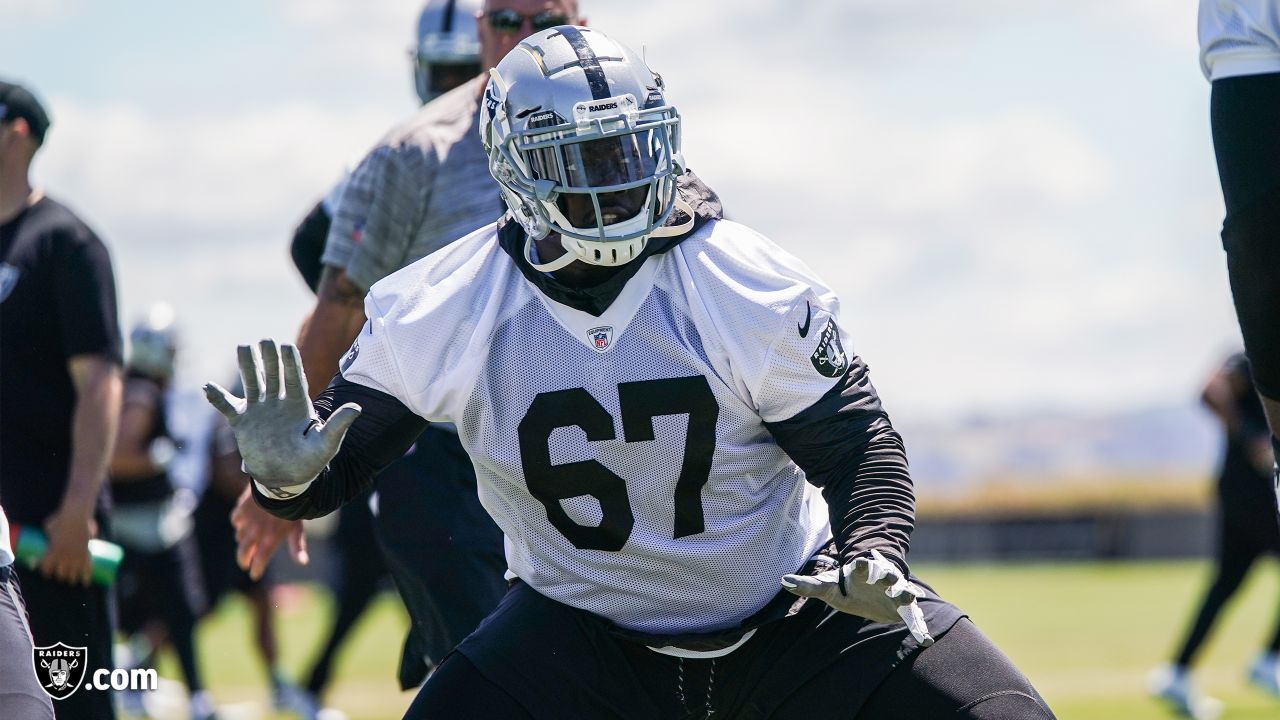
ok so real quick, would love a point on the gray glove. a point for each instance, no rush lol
(873, 588)
(281, 439)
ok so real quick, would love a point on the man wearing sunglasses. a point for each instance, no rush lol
(511, 22)
(425, 184)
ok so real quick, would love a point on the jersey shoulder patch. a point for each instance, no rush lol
(774, 318)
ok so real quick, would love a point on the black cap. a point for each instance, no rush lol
(18, 102)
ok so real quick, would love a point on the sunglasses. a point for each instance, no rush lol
(512, 21)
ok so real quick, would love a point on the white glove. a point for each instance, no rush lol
(874, 589)
(280, 437)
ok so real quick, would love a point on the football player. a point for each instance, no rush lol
(665, 422)
(1240, 55)
(1248, 529)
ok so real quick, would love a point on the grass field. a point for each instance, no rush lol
(1086, 634)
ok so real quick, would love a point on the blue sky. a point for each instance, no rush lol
(1016, 201)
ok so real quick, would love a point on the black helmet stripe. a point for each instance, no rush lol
(588, 61)
(448, 18)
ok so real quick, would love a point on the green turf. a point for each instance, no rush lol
(364, 684)
(1086, 634)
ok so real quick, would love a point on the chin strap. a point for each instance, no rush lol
(682, 228)
(569, 256)
(554, 265)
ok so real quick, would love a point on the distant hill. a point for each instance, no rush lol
(1180, 441)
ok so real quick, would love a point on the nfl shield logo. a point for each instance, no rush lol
(59, 668)
(601, 338)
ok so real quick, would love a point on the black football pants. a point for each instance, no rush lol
(963, 675)
(537, 659)
(1245, 114)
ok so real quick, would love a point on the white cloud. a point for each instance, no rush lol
(199, 210)
(372, 36)
(25, 11)
(218, 173)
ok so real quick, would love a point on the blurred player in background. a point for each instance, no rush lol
(651, 555)
(59, 393)
(1248, 529)
(217, 543)
(424, 185)
(1240, 55)
(159, 585)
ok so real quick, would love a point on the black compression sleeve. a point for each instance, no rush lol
(384, 431)
(846, 446)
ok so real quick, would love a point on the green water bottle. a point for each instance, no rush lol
(30, 544)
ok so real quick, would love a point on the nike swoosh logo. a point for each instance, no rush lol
(808, 317)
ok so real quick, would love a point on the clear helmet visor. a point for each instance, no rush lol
(615, 173)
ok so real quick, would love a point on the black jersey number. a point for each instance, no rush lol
(640, 403)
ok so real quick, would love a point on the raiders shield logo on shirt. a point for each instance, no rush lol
(829, 358)
(59, 668)
(8, 279)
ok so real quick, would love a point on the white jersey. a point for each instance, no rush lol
(624, 456)
(1239, 37)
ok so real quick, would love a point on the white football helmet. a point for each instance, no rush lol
(583, 143)
(153, 343)
(448, 47)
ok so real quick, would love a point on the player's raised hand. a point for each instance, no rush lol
(282, 440)
(873, 588)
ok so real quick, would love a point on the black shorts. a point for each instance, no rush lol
(1245, 112)
(164, 585)
(561, 662)
(1248, 532)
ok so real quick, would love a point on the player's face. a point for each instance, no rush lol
(602, 163)
(500, 33)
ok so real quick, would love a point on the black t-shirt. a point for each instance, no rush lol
(57, 300)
